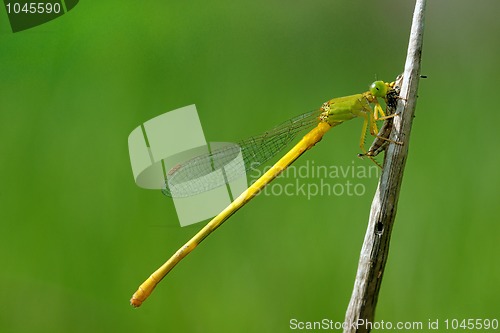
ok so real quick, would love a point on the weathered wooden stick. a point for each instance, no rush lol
(361, 310)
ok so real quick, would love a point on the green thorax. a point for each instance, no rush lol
(341, 109)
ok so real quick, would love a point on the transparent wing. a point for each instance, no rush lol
(199, 175)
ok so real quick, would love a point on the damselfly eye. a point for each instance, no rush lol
(378, 89)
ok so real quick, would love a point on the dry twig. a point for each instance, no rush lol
(373, 257)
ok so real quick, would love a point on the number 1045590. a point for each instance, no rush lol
(33, 8)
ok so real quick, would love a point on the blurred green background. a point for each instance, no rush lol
(78, 236)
